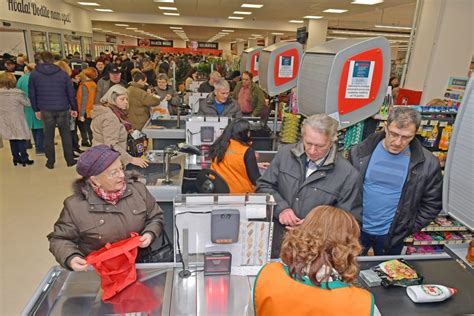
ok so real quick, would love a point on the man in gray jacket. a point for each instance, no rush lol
(309, 174)
(219, 102)
(114, 77)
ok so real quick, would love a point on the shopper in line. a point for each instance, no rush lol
(219, 102)
(12, 118)
(250, 96)
(402, 183)
(149, 72)
(103, 85)
(318, 269)
(85, 102)
(166, 92)
(308, 174)
(106, 207)
(101, 71)
(35, 125)
(233, 158)
(140, 102)
(110, 125)
(208, 86)
(53, 99)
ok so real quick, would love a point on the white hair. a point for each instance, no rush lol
(111, 95)
(322, 123)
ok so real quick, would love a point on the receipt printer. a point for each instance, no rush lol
(225, 225)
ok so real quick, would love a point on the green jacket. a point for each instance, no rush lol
(257, 97)
(31, 120)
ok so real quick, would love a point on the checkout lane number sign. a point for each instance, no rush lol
(359, 79)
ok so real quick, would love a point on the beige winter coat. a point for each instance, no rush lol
(108, 130)
(139, 104)
(12, 116)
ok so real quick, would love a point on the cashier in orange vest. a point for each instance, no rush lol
(233, 158)
(319, 265)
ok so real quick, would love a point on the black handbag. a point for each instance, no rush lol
(137, 147)
(165, 253)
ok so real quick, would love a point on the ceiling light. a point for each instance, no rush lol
(335, 11)
(169, 13)
(367, 2)
(278, 33)
(313, 17)
(176, 27)
(256, 35)
(131, 28)
(168, 8)
(235, 17)
(118, 24)
(92, 4)
(107, 31)
(243, 12)
(230, 31)
(393, 27)
(249, 5)
(296, 21)
(96, 28)
(252, 38)
(164, 1)
(370, 33)
(104, 10)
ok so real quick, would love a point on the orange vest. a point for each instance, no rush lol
(232, 168)
(91, 89)
(277, 293)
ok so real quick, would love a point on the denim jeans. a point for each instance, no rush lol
(51, 119)
(377, 244)
(38, 136)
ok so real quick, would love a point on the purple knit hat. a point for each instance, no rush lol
(95, 160)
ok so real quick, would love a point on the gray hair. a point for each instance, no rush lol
(111, 95)
(162, 76)
(322, 123)
(404, 116)
(221, 84)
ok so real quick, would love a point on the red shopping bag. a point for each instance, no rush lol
(115, 264)
(136, 298)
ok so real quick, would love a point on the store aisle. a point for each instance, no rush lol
(30, 201)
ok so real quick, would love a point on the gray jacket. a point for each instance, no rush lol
(103, 85)
(175, 101)
(420, 201)
(207, 107)
(335, 183)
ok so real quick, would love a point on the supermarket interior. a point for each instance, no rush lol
(244, 157)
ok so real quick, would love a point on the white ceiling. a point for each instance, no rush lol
(202, 19)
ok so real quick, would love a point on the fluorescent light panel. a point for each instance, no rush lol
(278, 33)
(243, 12)
(169, 13)
(176, 27)
(235, 17)
(230, 31)
(119, 24)
(104, 10)
(335, 11)
(168, 8)
(367, 2)
(393, 27)
(131, 28)
(370, 33)
(92, 4)
(296, 21)
(164, 1)
(314, 17)
(254, 6)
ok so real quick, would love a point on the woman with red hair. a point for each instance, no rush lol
(319, 264)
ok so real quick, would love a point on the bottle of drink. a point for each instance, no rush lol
(428, 293)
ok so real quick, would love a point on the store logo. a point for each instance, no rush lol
(30, 7)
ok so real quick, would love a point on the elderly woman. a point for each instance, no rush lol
(106, 207)
(319, 265)
(13, 124)
(110, 125)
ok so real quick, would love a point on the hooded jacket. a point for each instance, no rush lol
(421, 198)
(51, 89)
(207, 107)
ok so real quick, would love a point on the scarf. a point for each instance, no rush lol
(111, 197)
(122, 116)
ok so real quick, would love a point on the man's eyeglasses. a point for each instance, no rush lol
(403, 138)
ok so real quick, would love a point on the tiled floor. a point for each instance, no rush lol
(30, 201)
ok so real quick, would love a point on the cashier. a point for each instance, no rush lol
(233, 158)
(319, 266)
(106, 207)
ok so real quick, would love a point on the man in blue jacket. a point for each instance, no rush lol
(53, 99)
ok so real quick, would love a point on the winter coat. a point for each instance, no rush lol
(175, 101)
(421, 197)
(257, 97)
(150, 76)
(205, 87)
(88, 222)
(139, 104)
(31, 120)
(85, 101)
(108, 130)
(103, 85)
(51, 89)
(207, 108)
(335, 183)
(12, 116)
(126, 68)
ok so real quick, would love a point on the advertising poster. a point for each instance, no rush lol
(359, 79)
(286, 66)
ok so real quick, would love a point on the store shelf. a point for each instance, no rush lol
(436, 242)
(444, 229)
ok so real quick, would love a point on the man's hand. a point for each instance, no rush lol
(168, 97)
(145, 240)
(78, 264)
(38, 115)
(288, 218)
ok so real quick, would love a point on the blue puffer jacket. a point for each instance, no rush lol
(51, 89)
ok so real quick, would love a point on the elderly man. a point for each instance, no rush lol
(309, 174)
(402, 183)
(208, 86)
(219, 102)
